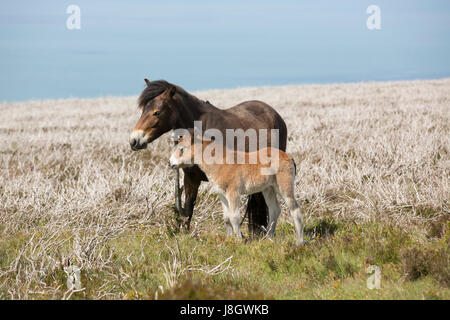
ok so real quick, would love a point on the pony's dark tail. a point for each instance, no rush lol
(258, 215)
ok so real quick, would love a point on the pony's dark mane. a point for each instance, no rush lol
(154, 89)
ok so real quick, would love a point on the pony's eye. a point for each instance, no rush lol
(181, 151)
(156, 113)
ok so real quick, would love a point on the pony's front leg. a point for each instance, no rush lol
(191, 185)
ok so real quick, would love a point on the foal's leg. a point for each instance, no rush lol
(274, 210)
(234, 213)
(226, 217)
(296, 213)
(178, 208)
(286, 190)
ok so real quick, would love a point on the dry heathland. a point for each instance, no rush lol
(373, 180)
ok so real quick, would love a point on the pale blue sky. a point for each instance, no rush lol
(204, 44)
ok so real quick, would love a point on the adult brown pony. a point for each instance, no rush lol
(168, 107)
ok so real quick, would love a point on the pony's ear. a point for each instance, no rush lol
(172, 91)
(147, 81)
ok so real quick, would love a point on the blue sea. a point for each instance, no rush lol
(211, 44)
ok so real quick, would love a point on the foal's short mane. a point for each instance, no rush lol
(154, 89)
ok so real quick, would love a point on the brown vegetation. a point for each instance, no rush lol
(72, 192)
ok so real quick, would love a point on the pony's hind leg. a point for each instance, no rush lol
(274, 210)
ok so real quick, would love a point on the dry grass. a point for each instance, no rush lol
(71, 190)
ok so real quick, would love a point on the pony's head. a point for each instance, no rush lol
(158, 113)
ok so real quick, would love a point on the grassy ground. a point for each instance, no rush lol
(373, 180)
(142, 264)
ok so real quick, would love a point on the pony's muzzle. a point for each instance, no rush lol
(133, 143)
(137, 140)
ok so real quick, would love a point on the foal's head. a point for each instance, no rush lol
(158, 113)
(185, 152)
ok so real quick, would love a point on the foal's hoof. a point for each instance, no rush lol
(303, 243)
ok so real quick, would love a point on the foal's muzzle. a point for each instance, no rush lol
(172, 166)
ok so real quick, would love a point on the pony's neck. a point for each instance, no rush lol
(190, 109)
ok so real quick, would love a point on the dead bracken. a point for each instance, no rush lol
(373, 179)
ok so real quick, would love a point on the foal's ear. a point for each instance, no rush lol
(147, 81)
(208, 138)
(191, 134)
